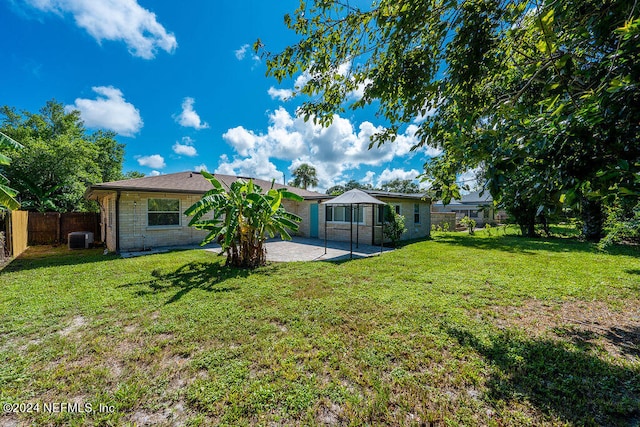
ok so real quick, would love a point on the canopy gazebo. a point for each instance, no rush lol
(350, 198)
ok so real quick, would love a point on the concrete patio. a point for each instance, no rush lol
(298, 249)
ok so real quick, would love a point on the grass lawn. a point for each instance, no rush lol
(459, 330)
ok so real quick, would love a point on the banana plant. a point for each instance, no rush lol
(7, 194)
(242, 219)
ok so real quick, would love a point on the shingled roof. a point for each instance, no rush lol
(188, 182)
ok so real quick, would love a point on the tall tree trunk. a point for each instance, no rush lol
(592, 219)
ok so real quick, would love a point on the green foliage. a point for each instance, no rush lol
(133, 175)
(405, 186)
(549, 87)
(337, 190)
(7, 194)
(622, 224)
(394, 225)
(487, 229)
(469, 223)
(242, 219)
(59, 159)
(305, 176)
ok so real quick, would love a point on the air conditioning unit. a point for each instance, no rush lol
(80, 239)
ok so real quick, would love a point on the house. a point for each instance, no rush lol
(475, 206)
(143, 213)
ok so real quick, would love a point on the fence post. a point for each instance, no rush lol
(58, 227)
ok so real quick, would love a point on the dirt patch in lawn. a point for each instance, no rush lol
(584, 322)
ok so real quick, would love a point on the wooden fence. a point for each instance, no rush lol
(15, 237)
(54, 227)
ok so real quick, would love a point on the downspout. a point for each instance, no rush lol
(118, 221)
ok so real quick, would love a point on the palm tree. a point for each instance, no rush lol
(7, 195)
(305, 176)
(243, 218)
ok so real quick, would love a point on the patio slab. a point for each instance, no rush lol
(298, 249)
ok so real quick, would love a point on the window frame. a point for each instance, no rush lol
(416, 213)
(150, 212)
(330, 215)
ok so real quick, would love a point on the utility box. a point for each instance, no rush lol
(80, 239)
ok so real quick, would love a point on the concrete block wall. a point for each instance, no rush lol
(440, 218)
(135, 233)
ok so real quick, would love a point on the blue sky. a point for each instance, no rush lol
(180, 84)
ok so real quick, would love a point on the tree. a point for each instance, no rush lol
(305, 176)
(405, 186)
(7, 194)
(59, 158)
(243, 218)
(550, 84)
(133, 175)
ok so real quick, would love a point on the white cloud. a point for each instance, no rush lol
(109, 111)
(186, 148)
(155, 173)
(254, 166)
(240, 53)
(334, 151)
(468, 179)
(281, 94)
(154, 161)
(115, 20)
(188, 117)
(200, 168)
(368, 178)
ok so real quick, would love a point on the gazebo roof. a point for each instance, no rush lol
(354, 197)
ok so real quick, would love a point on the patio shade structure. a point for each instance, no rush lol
(350, 198)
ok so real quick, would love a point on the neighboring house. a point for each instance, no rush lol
(475, 206)
(143, 213)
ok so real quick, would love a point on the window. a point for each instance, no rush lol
(343, 214)
(397, 209)
(416, 213)
(382, 209)
(163, 212)
(473, 214)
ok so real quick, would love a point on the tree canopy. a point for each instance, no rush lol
(546, 86)
(305, 176)
(59, 158)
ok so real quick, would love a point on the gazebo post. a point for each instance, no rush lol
(351, 234)
(325, 230)
(357, 226)
(373, 224)
(382, 230)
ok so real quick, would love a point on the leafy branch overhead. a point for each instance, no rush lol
(7, 194)
(549, 86)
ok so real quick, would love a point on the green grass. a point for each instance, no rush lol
(459, 330)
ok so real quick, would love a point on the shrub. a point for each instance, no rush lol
(393, 225)
(469, 223)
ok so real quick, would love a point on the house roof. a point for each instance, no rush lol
(354, 197)
(187, 182)
(473, 198)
